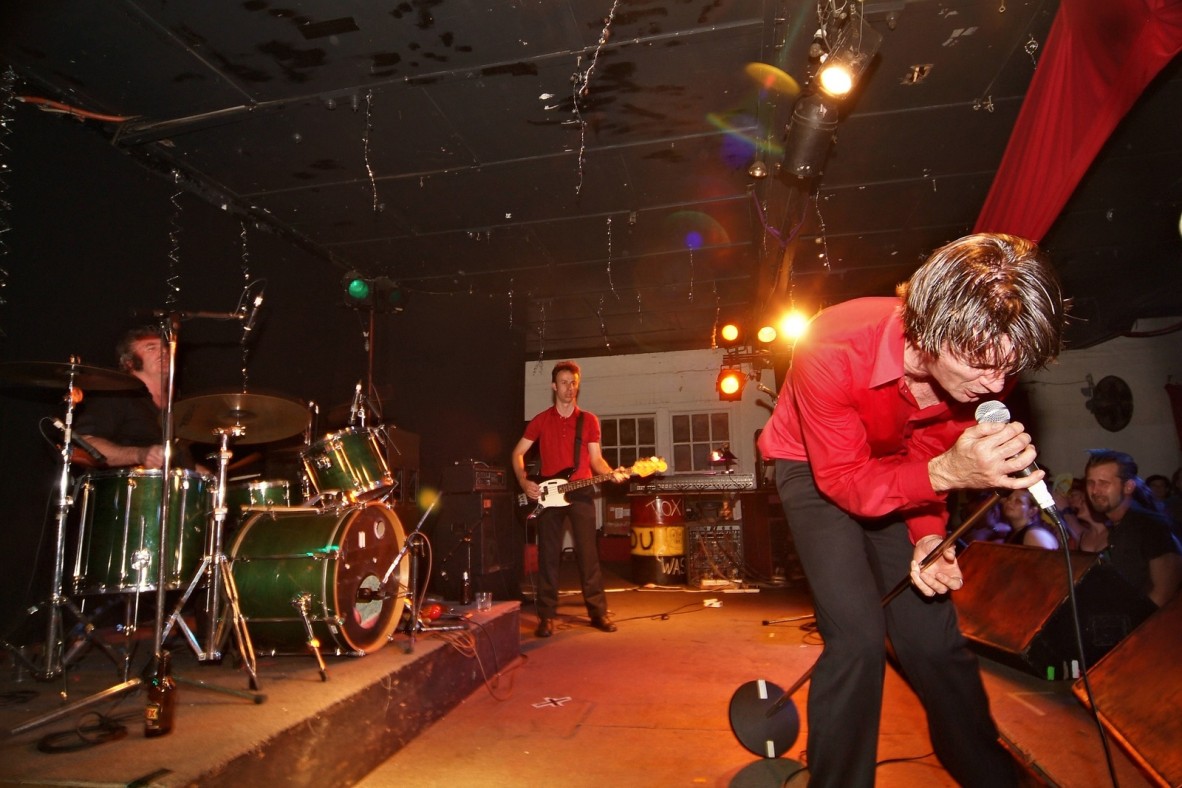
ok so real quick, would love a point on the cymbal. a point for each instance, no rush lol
(262, 417)
(51, 374)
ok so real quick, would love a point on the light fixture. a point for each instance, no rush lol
(793, 325)
(730, 334)
(809, 135)
(730, 384)
(758, 169)
(379, 293)
(766, 335)
(850, 56)
(357, 289)
(723, 456)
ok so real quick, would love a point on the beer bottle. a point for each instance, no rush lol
(161, 706)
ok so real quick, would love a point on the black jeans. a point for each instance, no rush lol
(581, 513)
(850, 566)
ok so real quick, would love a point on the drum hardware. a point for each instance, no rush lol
(302, 603)
(75, 377)
(215, 569)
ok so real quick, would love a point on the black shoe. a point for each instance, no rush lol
(603, 623)
(545, 628)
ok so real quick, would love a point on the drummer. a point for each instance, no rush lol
(126, 427)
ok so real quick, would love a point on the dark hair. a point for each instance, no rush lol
(128, 360)
(1126, 466)
(564, 366)
(973, 293)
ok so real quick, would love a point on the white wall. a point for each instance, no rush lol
(662, 384)
(1065, 429)
(682, 382)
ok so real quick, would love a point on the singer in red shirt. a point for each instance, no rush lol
(873, 427)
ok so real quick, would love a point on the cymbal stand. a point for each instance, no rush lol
(54, 662)
(216, 568)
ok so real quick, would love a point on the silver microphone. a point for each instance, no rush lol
(356, 406)
(81, 442)
(992, 411)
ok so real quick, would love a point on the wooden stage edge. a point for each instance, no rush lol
(306, 731)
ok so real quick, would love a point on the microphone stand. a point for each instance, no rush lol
(416, 599)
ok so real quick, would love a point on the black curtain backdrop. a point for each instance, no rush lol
(92, 238)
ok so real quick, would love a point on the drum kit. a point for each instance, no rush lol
(329, 574)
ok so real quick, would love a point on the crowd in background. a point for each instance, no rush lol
(1134, 523)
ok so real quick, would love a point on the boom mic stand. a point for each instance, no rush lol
(767, 726)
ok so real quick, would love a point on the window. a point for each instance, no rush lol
(625, 438)
(694, 435)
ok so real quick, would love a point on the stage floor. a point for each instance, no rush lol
(644, 706)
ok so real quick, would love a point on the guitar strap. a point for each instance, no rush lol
(578, 440)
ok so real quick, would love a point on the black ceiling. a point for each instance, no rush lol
(587, 161)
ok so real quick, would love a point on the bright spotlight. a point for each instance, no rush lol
(835, 79)
(729, 334)
(730, 384)
(793, 325)
(766, 335)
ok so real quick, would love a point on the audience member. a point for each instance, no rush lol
(1137, 540)
(1024, 519)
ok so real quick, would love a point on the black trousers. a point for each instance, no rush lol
(850, 566)
(550, 525)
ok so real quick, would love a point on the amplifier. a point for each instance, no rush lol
(473, 476)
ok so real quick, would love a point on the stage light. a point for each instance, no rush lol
(729, 334)
(809, 135)
(356, 286)
(730, 384)
(766, 335)
(849, 58)
(793, 325)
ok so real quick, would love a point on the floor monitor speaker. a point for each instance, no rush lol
(1014, 607)
(1138, 691)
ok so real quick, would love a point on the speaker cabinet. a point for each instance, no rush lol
(476, 532)
(1138, 691)
(1014, 607)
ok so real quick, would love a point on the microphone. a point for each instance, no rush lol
(81, 443)
(372, 594)
(993, 411)
(775, 397)
(254, 313)
(356, 405)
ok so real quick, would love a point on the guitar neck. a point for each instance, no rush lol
(581, 483)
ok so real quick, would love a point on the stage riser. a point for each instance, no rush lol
(347, 740)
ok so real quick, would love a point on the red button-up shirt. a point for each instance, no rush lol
(846, 410)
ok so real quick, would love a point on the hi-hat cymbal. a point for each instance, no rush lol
(51, 374)
(262, 418)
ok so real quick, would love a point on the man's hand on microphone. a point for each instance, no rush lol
(983, 458)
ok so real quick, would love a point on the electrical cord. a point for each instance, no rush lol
(84, 736)
(1079, 645)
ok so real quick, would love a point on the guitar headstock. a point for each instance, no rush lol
(647, 466)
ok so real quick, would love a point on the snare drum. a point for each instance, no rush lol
(350, 462)
(246, 496)
(334, 560)
(119, 529)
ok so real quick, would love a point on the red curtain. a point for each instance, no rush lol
(1097, 60)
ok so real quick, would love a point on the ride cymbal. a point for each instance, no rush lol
(262, 418)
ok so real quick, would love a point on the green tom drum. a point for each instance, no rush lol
(335, 562)
(119, 529)
(350, 462)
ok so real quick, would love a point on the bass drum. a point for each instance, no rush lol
(335, 561)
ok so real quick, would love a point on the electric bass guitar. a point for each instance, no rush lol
(553, 491)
